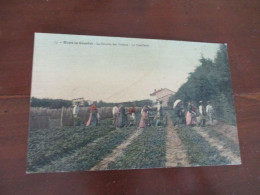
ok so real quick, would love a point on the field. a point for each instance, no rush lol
(107, 147)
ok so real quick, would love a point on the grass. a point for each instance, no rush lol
(146, 151)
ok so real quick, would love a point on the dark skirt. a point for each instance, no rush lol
(122, 118)
(93, 120)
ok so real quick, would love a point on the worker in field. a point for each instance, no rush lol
(150, 113)
(144, 117)
(210, 111)
(75, 114)
(114, 113)
(121, 120)
(160, 120)
(191, 114)
(93, 116)
(131, 113)
(179, 112)
(202, 114)
(159, 109)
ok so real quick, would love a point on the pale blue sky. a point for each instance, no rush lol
(111, 73)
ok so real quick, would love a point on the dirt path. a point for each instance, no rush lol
(175, 153)
(227, 130)
(117, 151)
(226, 152)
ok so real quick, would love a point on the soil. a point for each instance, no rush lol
(175, 153)
(227, 130)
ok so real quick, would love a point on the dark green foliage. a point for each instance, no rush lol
(94, 153)
(211, 82)
(139, 103)
(86, 103)
(147, 151)
(46, 145)
(50, 103)
(59, 103)
(88, 155)
(73, 148)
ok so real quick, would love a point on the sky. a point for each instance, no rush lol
(111, 69)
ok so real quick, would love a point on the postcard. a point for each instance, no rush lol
(111, 103)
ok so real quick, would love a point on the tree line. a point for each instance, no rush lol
(210, 81)
(59, 103)
(50, 103)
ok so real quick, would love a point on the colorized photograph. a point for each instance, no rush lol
(112, 103)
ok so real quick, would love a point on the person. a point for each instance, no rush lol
(159, 109)
(114, 112)
(144, 117)
(132, 115)
(150, 114)
(93, 117)
(202, 114)
(121, 119)
(179, 113)
(191, 114)
(210, 111)
(75, 114)
(160, 120)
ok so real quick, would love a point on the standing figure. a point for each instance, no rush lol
(179, 113)
(201, 118)
(114, 112)
(93, 117)
(210, 111)
(191, 114)
(75, 115)
(144, 117)
(121, 117)
(160, 120)
(150, 114)
(159, 109)
(132, 115)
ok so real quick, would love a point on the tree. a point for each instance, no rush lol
(211, 81)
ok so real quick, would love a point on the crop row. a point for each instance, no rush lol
(86, 157)
(228, 143)
(199, 151)
(47, 149)
(146, 151)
